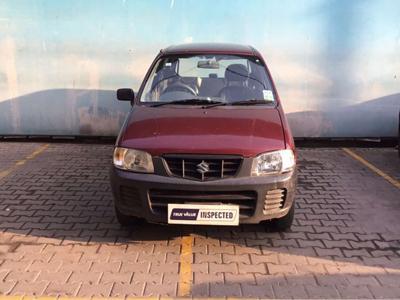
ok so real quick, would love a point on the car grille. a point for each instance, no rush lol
(203, 168)
(274, 200)
(246, 200)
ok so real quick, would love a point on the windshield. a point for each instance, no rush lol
(224, 78)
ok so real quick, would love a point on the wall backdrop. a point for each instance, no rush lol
(336, 64)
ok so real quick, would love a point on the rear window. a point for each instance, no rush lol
(187, 67)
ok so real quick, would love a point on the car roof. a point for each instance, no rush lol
(224, 48)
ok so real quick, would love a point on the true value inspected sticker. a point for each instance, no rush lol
(203, 214)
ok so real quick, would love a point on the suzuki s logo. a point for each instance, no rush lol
(203, 167)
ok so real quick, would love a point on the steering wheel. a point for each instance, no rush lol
(179, 87)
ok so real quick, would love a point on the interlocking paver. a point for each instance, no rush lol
(287, 292)
(76, 267)
(29, 288)
(39, 257)
(116, 277)
(310, 269)
(66, 257)
(200, 268)
(281, 269)
(155, 278)
(164, 268)
(95, 290)
(6, 287)
(174, 278)
(127, 289)
(155, 289)
(204, 258)
(242, 249)
(59, 236)
(142, 267)
(287, 258)
(381, 292)
(357, 280)
(58, 277)
(322, 292)
(27, 276)
(349, 292)
(271, 257)
(223, 268)
(229, 258)
(258, 291)
(89, 277)
(250, 268)
(40, 265)
(248, 278)
(156, 258)
(3, 274)
(212, 249)
(301, 279)
(11, 265)
(200, 278)
(62, 289)
(105, 267)
(220, 290)
(94, 257)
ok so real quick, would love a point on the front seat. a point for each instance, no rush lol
(236, 89)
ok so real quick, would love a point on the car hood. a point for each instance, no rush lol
(245, 131)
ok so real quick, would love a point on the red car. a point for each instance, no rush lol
(206, 142)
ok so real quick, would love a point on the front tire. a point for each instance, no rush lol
(284, 223)
(126, 220)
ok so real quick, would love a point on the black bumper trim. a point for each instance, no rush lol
(143, 183)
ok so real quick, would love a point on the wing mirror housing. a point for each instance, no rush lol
(125, 95)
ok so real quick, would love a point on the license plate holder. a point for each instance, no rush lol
(203, 214)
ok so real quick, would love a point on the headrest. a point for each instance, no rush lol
(167, 72)
(236, 72)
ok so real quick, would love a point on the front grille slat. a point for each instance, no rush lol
(246, 200)
(206, 197)
(274, 200)
(230, 170)
(216, 167)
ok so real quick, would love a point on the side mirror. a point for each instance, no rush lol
(125, 94)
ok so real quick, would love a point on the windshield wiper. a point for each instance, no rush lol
(242, 102)
(216, 103)
(251, 102)
(197, 101)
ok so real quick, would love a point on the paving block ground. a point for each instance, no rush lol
(59, 235)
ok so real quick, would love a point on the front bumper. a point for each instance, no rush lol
(132, 193)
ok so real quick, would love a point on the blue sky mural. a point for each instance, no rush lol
(323, 54)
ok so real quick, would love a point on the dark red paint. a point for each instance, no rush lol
(218, 130)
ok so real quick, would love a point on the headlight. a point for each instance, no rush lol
(273, 162)
(133, 160)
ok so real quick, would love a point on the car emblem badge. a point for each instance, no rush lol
(203, 167)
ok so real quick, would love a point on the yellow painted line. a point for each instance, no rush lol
(185, 270)
(354, 155)
(22, 162)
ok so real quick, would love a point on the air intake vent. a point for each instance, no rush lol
(274, 200)
(246, 200)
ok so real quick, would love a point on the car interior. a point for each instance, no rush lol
(237, 83)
